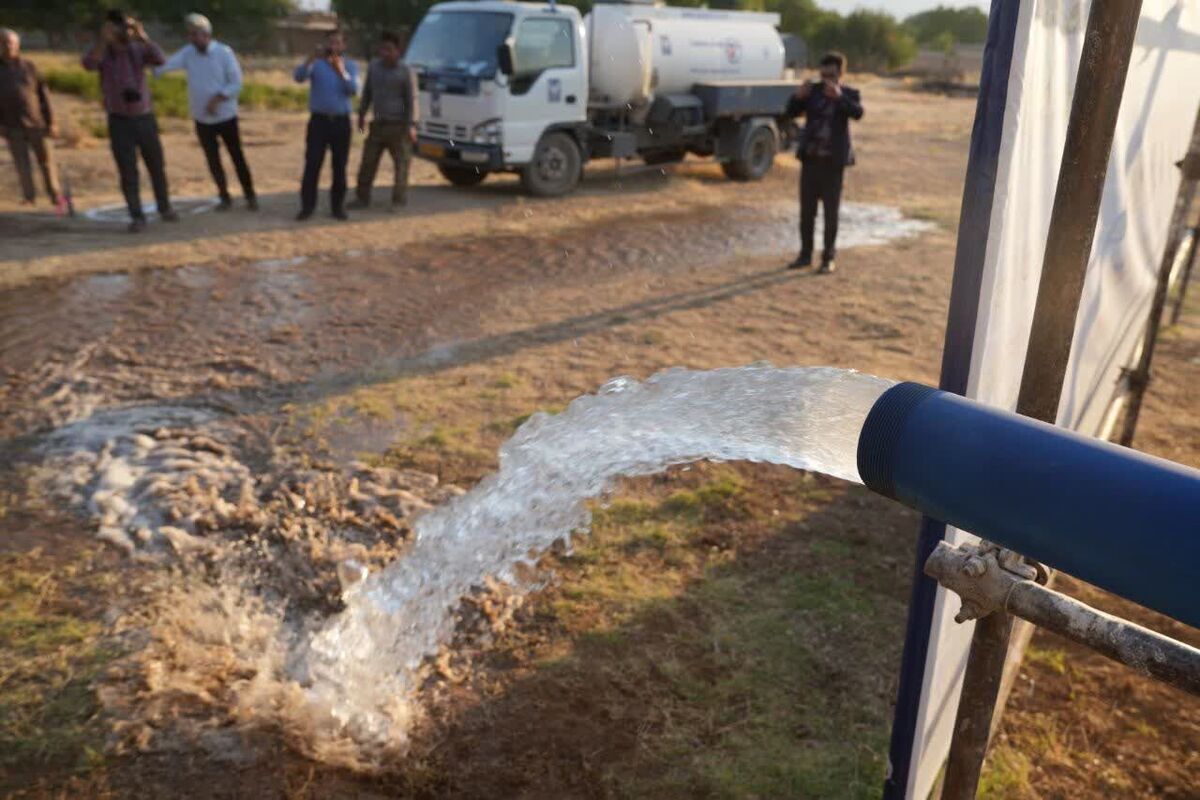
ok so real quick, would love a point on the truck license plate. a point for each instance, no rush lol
(431, 150)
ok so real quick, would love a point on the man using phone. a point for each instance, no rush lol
(391, 90)
(825, 151)
(27, 119)
(214, 80)
(333, 82)
(121, 55)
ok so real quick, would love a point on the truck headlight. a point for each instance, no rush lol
(488, 132)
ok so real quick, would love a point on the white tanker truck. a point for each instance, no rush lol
(534, 89)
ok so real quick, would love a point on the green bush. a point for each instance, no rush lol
(961, 25)
(170, 92)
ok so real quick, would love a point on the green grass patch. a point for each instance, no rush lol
(1005, 775)
(170, 92)
(51, 650)
(750, 671)
(1054, 659)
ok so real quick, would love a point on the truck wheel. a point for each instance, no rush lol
(462, 176)
(756, 158)
(556, 167)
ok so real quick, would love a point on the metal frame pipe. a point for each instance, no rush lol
(983, 583)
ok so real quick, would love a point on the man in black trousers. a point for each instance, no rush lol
(122, 54)
(333, 82)
(824, 151)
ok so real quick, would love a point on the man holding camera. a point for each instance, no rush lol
(121, 55)
(27, 119)
(214, 80)
(824, 151)
(333, 82)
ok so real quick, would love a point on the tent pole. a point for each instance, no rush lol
(1099, 87)
(1139, 377)
(1187, 275)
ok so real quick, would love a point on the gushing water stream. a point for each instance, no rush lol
(360, 669)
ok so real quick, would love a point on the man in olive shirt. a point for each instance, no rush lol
(26, 118)
(391, 89)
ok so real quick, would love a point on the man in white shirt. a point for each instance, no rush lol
(214, 82)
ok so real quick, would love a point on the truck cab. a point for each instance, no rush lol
(503, 86)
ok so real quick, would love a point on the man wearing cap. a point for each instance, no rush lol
(214, 82)
(26, 118)
(121, 55)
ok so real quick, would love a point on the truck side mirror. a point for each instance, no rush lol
(504, 57)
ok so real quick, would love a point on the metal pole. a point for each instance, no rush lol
(1187, 276)
(1139, 377)
(1146, 652)
(1103, 64)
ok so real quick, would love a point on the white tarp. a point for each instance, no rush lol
(1159, 106)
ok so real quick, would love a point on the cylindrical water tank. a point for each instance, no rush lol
(640, 51)
(619, 67)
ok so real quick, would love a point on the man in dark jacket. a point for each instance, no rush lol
(26, 118)
(825, 151)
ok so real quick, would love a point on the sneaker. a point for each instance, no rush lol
(358, 204)
(252, 203)
(827, 266)
(224, 205)
(304, 214)
(340, 213)
(169, 216)
(138, 225)
(800, 262)
(61, 206)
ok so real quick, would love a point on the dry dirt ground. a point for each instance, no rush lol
(727, 631)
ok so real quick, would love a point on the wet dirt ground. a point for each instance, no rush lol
(445, 323)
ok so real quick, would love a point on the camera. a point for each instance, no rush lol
(131, 96)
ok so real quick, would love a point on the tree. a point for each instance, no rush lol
(56, 18)
(871, 40)
(250, 19)
(380, 15)
(966, 25)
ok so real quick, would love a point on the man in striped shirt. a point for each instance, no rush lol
(121, 55)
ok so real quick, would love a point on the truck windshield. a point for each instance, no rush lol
(459, 41)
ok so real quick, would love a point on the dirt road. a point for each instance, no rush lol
(728, 631)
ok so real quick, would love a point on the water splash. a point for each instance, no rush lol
(360, 669)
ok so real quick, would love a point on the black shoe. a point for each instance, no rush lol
(828, 265)
(252, 203)
(169, 216)
(800, 262)
(340, 213)
(358, 204)
(138, 225)
(304, 214)
(225, 204)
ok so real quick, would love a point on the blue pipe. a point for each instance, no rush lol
(1122, 520)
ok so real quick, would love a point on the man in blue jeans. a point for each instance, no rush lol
(333, 82)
